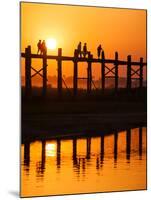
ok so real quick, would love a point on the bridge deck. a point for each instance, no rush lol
(93, 60)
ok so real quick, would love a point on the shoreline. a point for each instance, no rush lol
(42, 127)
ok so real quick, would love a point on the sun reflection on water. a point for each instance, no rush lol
(50, 149)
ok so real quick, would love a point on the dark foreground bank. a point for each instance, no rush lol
(44, 118)
(47, 125)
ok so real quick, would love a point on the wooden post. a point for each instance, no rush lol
(28, 71)
(89, 73)
(129, 72)
(75, 73)
(103, 71)
(59, 72)
(44, 91)
(116, 71)
(141, 73)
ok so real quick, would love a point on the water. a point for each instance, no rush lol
(114, 162)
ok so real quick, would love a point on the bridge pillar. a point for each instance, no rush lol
(116, 71)
(103, 71)
(59, 83)
(28, 86)
(44, 90)
(141, 73)
(75, 73)
(89, 73)
(129, 72)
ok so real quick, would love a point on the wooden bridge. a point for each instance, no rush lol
(104, 72)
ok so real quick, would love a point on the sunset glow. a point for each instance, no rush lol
(51, 43)
(64, 26)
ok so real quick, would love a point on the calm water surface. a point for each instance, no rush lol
(109, 163)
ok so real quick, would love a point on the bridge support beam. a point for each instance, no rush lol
(141, 73)
(89, 73)
(28, 85)
(129, 72)
(103, 71)
(75, 73)
(116, 71)
(59, 83)
(44, 90)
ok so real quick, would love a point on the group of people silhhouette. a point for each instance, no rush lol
(41, 45)
(79, 49)
(84, 52)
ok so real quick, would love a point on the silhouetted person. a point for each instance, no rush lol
(99, 51)
(39, 45)
(79, 49)
(84, 50)
(43, 47)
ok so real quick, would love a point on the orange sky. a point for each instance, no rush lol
(121, 30)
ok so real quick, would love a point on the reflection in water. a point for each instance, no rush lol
(102, 150)
(88, 148)
(26, 156)
(115, 148)
(128, 144)
(50, 149)
(140, 142)
(40, 165)
(74, 152)
(58, 153)
(80, 167)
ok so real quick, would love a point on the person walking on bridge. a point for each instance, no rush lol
(85, 50)
(43, 47)
(99, 51)
(79, 49)
(39, 45)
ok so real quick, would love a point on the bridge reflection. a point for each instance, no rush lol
(27, 156)
(81, 163)
(40, 165)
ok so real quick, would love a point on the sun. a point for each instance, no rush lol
(51, 43)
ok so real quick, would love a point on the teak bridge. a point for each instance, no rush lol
(106, 71)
